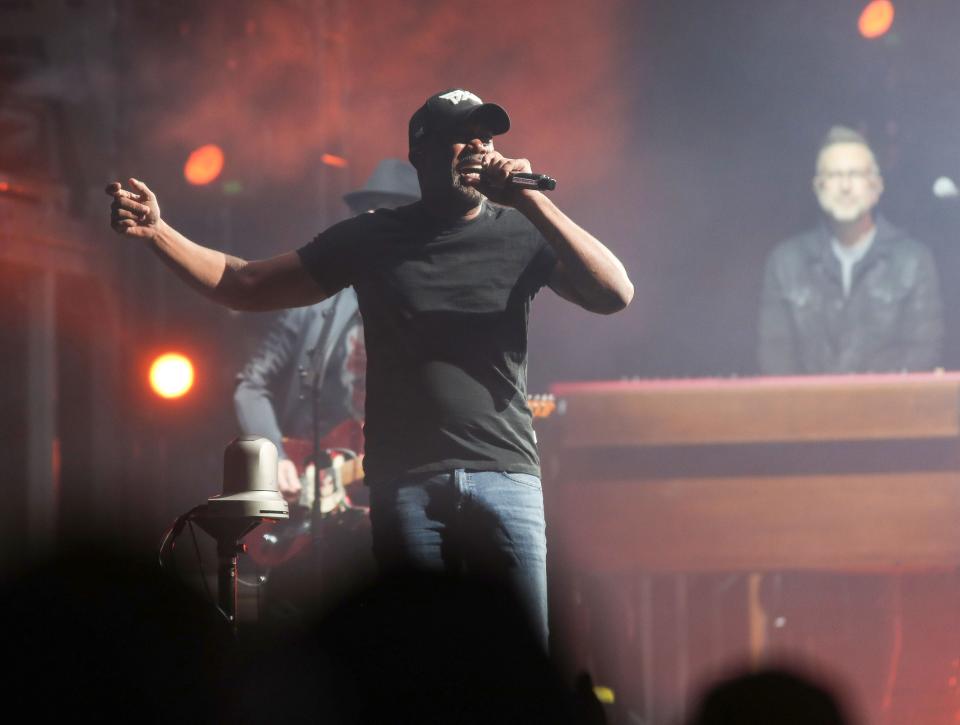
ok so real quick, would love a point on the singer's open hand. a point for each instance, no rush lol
(492, 182)
(133, 213)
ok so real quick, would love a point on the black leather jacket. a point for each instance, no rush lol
(891, 321)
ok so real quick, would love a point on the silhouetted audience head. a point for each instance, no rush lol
(114, 639)
(109, 638)
(412, 649)
(769, 697)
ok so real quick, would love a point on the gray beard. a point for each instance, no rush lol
(468, 192)
(455, 197)
(464, 196)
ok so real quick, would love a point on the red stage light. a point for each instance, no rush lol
(876, 18)
(204, 164)
(171, 375)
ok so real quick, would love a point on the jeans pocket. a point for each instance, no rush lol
(524, 479)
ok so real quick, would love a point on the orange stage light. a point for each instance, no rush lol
(333, 160)
(876, 18)
(171, 375)
(204, 164)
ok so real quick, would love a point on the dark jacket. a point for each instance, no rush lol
(269, 396)
(891, 321)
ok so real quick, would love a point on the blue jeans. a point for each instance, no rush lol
(473, 523)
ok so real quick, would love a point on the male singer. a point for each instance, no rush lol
(444, 287)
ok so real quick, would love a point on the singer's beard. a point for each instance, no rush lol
(449, 193)
(465, 197)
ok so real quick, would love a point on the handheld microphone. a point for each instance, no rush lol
(541, 182)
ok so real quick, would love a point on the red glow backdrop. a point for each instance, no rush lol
(552, 65)
(282, 86)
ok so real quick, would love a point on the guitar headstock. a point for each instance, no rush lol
(542, 406)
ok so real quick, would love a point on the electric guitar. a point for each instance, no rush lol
(274, 543)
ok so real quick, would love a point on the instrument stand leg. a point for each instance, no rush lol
(228, 534)
(647, 652)
(316, 510)
(682, 639)
(228, 596)
(316, 520)
(756, 620)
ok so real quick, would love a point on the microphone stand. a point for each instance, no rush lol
(319, 456)
(249, 498)
(229, 534)
(312, 379)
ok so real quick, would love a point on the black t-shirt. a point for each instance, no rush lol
(445, 307)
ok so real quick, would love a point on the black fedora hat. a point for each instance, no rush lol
(392, 178)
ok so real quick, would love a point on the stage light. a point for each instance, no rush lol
(604, 694)
(333, 160)
(204, 164)
(171, 375)
(232, 188)
(876, 18)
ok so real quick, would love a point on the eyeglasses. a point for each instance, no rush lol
(848, 175)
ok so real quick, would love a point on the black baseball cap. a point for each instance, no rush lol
(452, 109)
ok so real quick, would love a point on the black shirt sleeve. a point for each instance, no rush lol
(332, 257)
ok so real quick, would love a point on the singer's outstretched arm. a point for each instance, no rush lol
(267, 284)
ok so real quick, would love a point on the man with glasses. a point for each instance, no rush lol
(855, 294)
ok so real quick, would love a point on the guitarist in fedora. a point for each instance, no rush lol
(273, 393)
